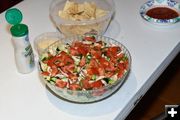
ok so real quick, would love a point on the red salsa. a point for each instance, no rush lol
(162, 13)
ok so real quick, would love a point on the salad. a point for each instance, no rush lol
(85, 64)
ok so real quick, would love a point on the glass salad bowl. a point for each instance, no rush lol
(77, 25)
(84, 69)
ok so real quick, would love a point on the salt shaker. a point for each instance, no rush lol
(23, 52)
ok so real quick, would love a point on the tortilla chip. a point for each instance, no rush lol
(63, 15)
(81, 11)
(89, 9)
(100, 13)
(80, 8)
(71, 7)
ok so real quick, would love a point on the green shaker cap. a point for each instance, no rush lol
(19, 30)
(13, 16)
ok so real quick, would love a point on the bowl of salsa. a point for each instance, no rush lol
(161, 12)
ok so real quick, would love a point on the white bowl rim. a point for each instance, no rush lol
(154, 20)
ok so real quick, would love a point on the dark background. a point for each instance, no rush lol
(165, 91)
(5, 4)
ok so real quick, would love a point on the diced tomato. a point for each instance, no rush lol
(113, 59)
(81, 48)
(86, 84)
(120, 56)
(120, 73)
(126, 64)
(101, 71)
(107, 65)
(45, 73)
(95, 71)
(65, 70)
(65, 59)
(93, 63)
(113, 51)
(89, 38)
(95, 68)
(74, 87)
(54, 70)
(92, 71)
(58, 61)
(76, 44)
(97, 84)
(60, 83)
(96, 53)
(121, 66)
(104, 62)
(111, 67)
(62, 59)
(68, 68)
(50, 62)
(82, 62)
(60, 64)
(68, 60)
(74, 52)
(108, 53)
(72, 77)
(97, 47)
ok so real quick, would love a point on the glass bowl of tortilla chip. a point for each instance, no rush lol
(79, 17)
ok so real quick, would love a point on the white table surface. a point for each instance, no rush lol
(24, 96)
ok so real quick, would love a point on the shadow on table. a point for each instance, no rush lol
(106, 106)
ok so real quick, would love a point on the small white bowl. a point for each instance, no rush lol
(160, 3)
(42, 41)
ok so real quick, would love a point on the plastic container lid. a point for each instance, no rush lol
(13, 16)
(19, 30)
